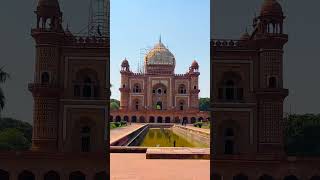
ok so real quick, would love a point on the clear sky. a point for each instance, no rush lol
(184, 26)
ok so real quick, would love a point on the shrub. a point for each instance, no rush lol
(123, 123)
(118, 124)
(112, 125)
(198, 124)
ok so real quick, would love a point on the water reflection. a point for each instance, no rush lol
(167, 138)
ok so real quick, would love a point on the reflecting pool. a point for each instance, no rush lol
(165, 137)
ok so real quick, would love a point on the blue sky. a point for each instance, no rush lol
(184, 26)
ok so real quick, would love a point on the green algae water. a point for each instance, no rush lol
(163, 137)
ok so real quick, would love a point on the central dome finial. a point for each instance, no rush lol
(159, 55)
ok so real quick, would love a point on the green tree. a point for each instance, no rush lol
(204, 104)
(24, 127)
(3, 77)
(114, 104)
(302, 135)
(13, 139)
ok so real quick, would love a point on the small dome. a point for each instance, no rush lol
(48, 8)
(271, 8)
(159, 55)
(245, 36)
(195, 65)
(125, 63)
(49, 3)
(67, 32)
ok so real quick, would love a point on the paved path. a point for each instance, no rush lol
(137, 167)
(198, 129)
(118, 133)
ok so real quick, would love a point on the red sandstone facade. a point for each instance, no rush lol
(248, 94)
(70, 96)
(158, 95)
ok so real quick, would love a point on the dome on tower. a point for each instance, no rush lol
(125, 63)
(48, 8)
(159, 55)
(195, 65)
(245, 36)
(49, 3)
(271, 8)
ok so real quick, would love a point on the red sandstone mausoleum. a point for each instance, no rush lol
(158, 95)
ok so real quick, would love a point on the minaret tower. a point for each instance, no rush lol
(47, 34)
(270, 93)
(194, 87)
(125, 89)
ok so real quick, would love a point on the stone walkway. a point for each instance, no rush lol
(198, 129)
(132, 166)
(137, 167)
(118, 133)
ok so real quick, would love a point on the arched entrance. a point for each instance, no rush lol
(26, 175)
(134, 119)
(142, 119)
(4, 175)
(77, 176)
(51, 175)
(185, 119)
(100, 176)
(118, 118)
(177, 120)
(315, 178)
(126, 118)
(291, 177)
(266, 177)
(167, 119)
(240, 177)
(151, 119)
(216, 177)
(193, 120)
(200, 119)
(159, 119)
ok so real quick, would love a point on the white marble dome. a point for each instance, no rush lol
(160, 55)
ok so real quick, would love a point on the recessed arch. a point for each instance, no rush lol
(272, 82)
(100, 176)
(137, 88)
(142, 119)
(26, 175)
(134, 119)
(118, 118)
(159, 119)
(216, 176)
(77, 175)
(45, 78)
(4, 175)
(167, 119)
(266, 177)
(290, 177)
(85, 139)
(315, 178)
(151, 119)
(240, 177)
(126, 118)
(193, 120)
(52, 175)
(182, 89)
(185, 119)
(177, 120)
